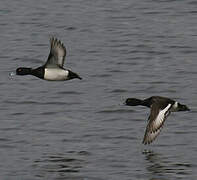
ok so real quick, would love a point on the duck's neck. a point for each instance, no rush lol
(38, 72)
(146, 102)
(137, 102)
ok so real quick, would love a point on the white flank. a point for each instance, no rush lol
(55, 74)
(161, 116)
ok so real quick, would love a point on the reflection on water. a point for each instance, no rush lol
(61, 166)
(163, 166)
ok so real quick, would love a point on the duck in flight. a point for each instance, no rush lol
(53, 69)
(161, 107)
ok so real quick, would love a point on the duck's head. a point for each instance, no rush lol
(133, 102)
(72, 75)
(23, 71)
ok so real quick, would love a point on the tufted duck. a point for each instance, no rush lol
(161, 107)
(53, 69)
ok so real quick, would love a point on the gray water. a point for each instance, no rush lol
(80, 130)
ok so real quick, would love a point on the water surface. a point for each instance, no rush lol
(80, 130)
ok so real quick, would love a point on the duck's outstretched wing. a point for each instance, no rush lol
(156, 120)
(57, 54)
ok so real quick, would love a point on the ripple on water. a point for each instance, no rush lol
(71, 162)
(70, 92)
(17, 114)
(160, 164)
(111, 111)
(39, 103)
(101, 75)
(119, 91)
(48, 113)
(117, 71)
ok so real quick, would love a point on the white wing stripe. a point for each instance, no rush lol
(161, 116)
